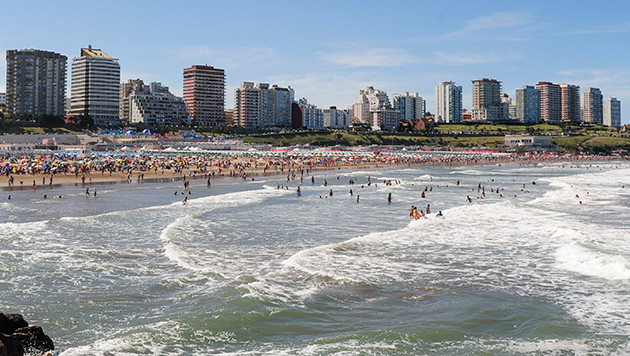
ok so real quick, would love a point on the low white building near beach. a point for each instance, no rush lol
(528, 141)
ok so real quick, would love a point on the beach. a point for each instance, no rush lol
(30, 171)
(534, 262)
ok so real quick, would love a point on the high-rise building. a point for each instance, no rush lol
(373, 107)
(261, 105)
(126, 90)
(486, 101)
(151, 104)
(204, 94)
(550, 102)
(570, 103)
(386, 118)
(334, 118)
(283, 99)
(612, 112)
(367, 101)
(229, 116)
(511, 103)
(448, 102)
(95, 87)
(411, 106)
(527, 104)
(593, 106)
(36, 82)
(312, 116)
(247, 104)
(3, 98)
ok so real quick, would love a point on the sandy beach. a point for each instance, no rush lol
(36, 172)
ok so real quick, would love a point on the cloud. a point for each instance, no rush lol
(371, 57)
(612, 82)
(494, 21)
(610, 29)
(331, 89)
(497, 20)
(596, 76)
(467, 58)
(231, 58)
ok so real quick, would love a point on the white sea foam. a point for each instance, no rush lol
(586, 261)
(545, 251)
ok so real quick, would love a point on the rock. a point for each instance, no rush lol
(11, 322)
(33, 339)
(17, 337)
(10, 346)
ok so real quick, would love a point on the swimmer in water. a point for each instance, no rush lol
(439, 214)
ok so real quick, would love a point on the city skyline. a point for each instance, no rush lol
(328, 51)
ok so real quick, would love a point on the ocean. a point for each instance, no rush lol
(539, 264)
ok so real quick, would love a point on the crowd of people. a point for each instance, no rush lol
(68, 168)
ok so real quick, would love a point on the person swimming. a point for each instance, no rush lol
(439, 214)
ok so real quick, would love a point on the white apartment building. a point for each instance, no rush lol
(95, 86)
(373, 107)
(511, 102)
(612, 112)
(337, 119)
(593, 106)
(448, 102)
(259, 105)
(369, 100)
(126, 90)
(527, 105)
(486, 101)
(312, 116)
(385, 119)
(155, 105)
(411, 106)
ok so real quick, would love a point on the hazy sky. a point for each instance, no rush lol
(329, 50)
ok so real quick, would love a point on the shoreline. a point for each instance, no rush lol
(248, 168)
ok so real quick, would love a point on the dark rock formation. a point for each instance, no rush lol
(17, 337)
(10, 346)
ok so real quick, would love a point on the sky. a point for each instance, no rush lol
(329, 50)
